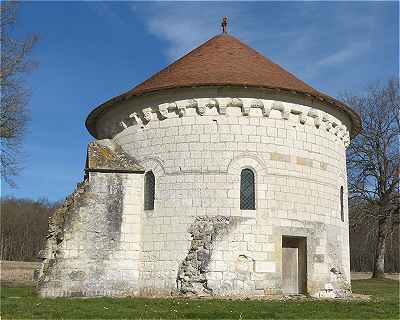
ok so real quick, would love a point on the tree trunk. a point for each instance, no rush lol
(379, 261)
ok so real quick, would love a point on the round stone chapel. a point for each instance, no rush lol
(221, 175)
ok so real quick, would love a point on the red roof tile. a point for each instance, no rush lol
(224, 60)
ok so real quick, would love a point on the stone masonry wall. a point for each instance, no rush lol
(197, 241)
(94, 241)
(197, 150)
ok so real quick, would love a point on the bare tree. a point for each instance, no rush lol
(24, 225)
(373, 164)
(363, 240)
(14, 65)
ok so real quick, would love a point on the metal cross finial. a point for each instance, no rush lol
(224, 25)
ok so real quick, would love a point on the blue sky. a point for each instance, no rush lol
(91, 51)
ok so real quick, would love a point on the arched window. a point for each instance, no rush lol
(247, 190)
(341, 204)
(149, 190)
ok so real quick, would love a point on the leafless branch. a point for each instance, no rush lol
(15, 63)
(373, 161)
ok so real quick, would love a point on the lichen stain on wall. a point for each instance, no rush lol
(105, 225)
(90, 224)
(104, 219)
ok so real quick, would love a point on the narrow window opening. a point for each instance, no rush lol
(247, 190)
(149, 190)
(341, 204)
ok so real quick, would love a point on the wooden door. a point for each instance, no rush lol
(290, 270)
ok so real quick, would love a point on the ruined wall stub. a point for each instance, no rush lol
(93, 246)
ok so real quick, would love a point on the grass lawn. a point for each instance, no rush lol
(22, 303)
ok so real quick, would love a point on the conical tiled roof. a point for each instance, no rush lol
(224, 60)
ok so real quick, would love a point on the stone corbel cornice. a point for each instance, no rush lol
(147, 114)
(280, 106)
(136, 117)
(223, 104)
(163, 109)
(123, 124)
(315, 114)
(211, 103)
(181, 107)
(305, 115)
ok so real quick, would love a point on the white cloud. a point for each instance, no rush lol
(295, 38)
(344, 55)
(181, 33)
(185, 26)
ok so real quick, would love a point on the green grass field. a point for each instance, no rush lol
(22, 303)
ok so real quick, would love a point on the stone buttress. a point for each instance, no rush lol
(93, 246)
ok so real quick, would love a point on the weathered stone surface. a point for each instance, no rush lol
(57, 225)
(192, 274)
(106, 155)
(88, 239)
(337, 287)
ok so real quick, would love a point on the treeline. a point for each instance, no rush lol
(362, 248)
(24, 224)
(363, 240)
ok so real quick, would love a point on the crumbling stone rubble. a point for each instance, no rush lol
(57, 224)
(85, 233)
(192, 272)
(337, 288)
